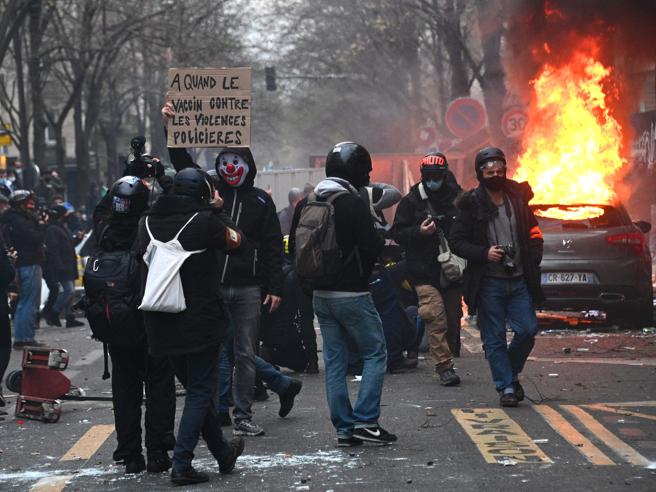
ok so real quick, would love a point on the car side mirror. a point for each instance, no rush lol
(643, 225)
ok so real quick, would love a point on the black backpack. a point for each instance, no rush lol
(111, 296)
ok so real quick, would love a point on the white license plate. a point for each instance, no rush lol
(556, 278)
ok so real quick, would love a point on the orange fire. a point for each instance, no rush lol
(572, 142)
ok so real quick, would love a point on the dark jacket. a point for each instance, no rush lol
(259, 261)
(26, 235)
(421, 251)
(354, 228)
(469, 240)
(202, 324)
(61, 259)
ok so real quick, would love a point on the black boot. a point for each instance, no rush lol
(136, 464)
(53, 319)
(71, 322)
(158, 461)
(312, 367)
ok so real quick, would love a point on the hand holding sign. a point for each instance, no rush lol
(208, 107)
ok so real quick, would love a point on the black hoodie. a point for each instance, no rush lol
(259, 261)
(421, 251)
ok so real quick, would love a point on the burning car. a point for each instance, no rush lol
(596, 258)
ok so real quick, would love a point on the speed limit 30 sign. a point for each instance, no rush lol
(514, 122)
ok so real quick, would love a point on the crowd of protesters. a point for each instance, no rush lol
(251, 282)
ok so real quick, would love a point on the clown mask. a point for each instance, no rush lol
(233, 169)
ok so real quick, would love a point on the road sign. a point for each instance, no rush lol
(465, 117)
(426, 135)
(514, 122)
(5, 139)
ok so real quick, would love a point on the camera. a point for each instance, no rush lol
(508, 261)
(140, 164)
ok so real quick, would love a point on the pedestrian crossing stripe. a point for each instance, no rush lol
(498, 437)
(89, 443)
(581, 443)
(618, 446)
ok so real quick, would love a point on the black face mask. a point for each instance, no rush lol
(495, 183)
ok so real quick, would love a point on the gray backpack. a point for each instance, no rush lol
(318, 259)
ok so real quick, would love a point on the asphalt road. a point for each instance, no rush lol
(589, 426)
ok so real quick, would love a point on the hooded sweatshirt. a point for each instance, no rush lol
(259, 260)
(354, 228)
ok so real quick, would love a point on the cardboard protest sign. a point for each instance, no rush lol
(212, 107)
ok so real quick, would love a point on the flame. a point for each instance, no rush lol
(572, 142)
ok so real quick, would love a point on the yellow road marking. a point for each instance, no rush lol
(574, 437)
(631, 404)
(89, 443)
(619, 411)
(621, 448)
(51, 484)
(498, 437)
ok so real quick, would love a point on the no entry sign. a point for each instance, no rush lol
(465, 117)
(513, 122)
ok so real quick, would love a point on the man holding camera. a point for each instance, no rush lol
(497, 233)
(423, 217)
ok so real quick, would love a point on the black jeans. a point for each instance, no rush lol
(132, 367)
(53, 292)
(198, 373)
(306, 313)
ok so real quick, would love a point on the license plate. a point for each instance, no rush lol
(555, 278)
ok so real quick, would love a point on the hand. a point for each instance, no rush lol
(217, 201)
(274, 300)
(12, 254)
(495, 254)
(167, 112)
(427, 227)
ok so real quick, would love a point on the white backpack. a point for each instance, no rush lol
(163, 291)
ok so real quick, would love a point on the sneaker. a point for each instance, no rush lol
(52, 320)
(158, 462)
(236, 448)
(247, 428)
(224, 419)
(374, 434)
(508, 400)
(287, 398)
(188, 477)
(348, 442)
(312, 367)
(73, 323)
(448, 377)
(519, 391)
(135, 465)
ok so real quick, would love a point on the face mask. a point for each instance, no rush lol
(233, 169)
(495, 183)
(434, 184)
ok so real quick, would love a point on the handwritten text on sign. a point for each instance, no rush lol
(212, 107)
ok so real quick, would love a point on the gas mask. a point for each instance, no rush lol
(233, 169)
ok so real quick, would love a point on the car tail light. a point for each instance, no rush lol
(634, 240)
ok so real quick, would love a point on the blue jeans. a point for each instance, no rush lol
(198, 374)
(64, 299)
(275, 380)
(242, 305)
(353, 318)
(500, 300)
(29, 285)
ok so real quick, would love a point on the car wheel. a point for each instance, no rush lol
(636, 318)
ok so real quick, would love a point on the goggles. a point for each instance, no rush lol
(496, 165)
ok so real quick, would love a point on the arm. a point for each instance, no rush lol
(390, 196)
(180, 158)
(368, 241)
(460, 240)
(52, 247)
(404, 229)
(535, 241)
(7, 271)
(271, 251)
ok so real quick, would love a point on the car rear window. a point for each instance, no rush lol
(608, 216)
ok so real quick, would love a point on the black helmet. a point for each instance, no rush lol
(487, 154)
(57, 212)
(129, 196)
(194, 183)
(351, 162)
(20, 197)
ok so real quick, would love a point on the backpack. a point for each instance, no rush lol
(163, 292)
(318, 259)
(111, 295)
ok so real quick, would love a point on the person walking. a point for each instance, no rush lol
(423, 219)
(341, 299)
(496, 231)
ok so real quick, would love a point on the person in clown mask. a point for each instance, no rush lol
(424, 214)
(250, 277)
